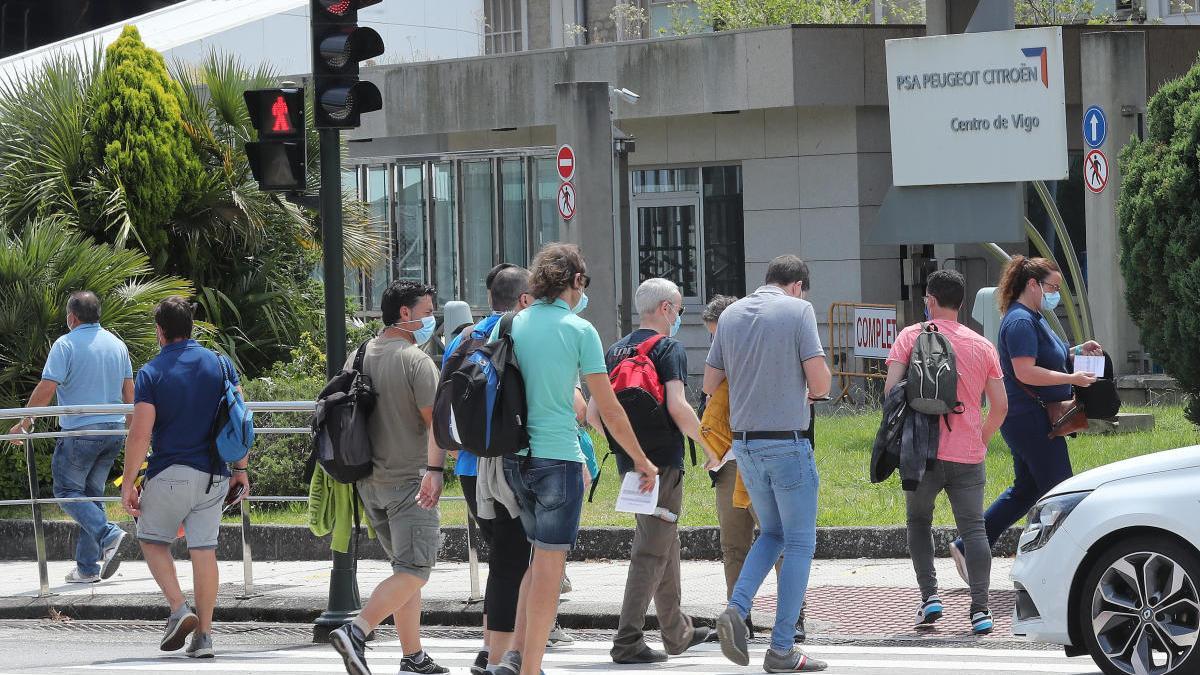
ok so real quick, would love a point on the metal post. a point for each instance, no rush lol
(247, 558)
(39, 537)
(473, 559)
(343, 604)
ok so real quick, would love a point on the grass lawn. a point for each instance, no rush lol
(843, 451)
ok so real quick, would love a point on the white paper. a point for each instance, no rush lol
(631, 498)
(1090, 364)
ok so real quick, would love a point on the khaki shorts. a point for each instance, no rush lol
(408, 533)
(180, 495)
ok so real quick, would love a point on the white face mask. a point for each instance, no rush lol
(422, 334)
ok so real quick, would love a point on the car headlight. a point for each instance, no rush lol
(1047, 516)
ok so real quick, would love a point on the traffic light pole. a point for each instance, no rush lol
(344, 602)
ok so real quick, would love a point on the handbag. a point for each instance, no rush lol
(1067, 418)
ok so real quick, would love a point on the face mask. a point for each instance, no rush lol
(581, 305)
(422, 334)
(675, 326)
(1050, 300)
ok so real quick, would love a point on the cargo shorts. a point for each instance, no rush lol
(180, 495)
(409, 534)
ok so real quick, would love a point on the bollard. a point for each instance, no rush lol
(247, 557)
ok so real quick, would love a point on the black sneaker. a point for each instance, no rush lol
(350, 642)
(801, 634)
(421, 662)
(480, 665)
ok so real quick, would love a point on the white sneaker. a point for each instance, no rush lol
(559, 637)
(565, 586)
(74, 577)
(960, 562)
(109, 562)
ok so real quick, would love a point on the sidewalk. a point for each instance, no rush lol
(861, 598)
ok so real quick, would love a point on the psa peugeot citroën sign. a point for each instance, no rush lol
(978, 107)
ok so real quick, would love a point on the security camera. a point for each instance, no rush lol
(627, 95)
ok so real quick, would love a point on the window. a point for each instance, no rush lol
(409, 251)
(666, 180)
(513, 199)
(545, 206)
(445, 231)
(477, 230)
(724, 227)
(502, 33)
(377, 203)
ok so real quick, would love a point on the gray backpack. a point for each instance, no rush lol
(933, 375)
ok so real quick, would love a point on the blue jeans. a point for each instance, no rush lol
(550, 493)
(781, 477)
(1039, 463)
(80, 467)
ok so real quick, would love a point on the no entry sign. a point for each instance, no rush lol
(566, 163)
(566, 201)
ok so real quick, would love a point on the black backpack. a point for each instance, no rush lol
(341, 440)
(933, 375)
(487, 398)
(444, 431)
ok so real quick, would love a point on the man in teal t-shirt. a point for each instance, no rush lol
(555, 348)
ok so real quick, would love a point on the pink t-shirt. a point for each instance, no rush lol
(977, 362)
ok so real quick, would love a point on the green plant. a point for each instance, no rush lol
(1159, 227)
(14, 481)
(277, 460)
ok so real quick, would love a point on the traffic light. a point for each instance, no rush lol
(277, 158)
(338, 44)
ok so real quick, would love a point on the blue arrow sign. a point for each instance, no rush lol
(1095, 127)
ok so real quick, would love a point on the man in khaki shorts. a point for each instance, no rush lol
(175, 400)
(405, 464)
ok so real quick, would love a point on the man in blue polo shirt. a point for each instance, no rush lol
(87, 366)
(175, 402)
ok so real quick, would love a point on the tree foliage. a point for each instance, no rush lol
(137, 140)
(1158, 211)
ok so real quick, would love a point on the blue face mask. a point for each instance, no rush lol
(1050, 300)
(422, 334)
(581, 305)
(675, 326)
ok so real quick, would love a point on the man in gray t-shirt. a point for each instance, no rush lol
(768, 348)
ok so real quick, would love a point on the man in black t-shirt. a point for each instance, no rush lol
(654, 558)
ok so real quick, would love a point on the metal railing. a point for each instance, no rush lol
(35, 502)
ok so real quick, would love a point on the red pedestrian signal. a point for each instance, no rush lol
(280, 112)
(277, 157)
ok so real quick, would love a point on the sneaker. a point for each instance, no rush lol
(510, 664)
(565, 587)
(981, 622)
(960, 561)
(110, 559)
(421, 662)
(350, 642)
(646, 655)
(559, 638)
(731, 629)
(76, 577)
(801, 634)
(180, 624)
(200, 647)
(930, 611)
(794, 661)
(481, 662)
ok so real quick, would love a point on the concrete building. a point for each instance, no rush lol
(748, 144)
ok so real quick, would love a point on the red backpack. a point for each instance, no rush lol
(642, 395)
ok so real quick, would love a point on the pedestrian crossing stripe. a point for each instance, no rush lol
(584, 657)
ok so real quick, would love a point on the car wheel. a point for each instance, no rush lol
(1139, 610)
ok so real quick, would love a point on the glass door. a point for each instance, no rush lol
(668, 236)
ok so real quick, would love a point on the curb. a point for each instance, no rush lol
(296, 543)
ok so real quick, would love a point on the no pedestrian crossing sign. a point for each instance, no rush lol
(1095, 126)
(566, 201)
(1095, 171)
(566, 163)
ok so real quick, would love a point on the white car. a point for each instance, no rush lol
(1109, 566)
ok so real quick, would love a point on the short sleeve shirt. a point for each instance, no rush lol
(90, 366)
(977, 362)
(1024, 332)
(406, 380)
(554, 349)
(762, 342)
(670, 362)
(184, 383)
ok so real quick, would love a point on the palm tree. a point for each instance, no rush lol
(40, 268)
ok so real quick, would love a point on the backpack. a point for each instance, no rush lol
(445, 431)
(933, 375)
(642, 395)
(487, 389)
(233, 425)
(341, 440)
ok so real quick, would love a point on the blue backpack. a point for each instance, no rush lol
(233, 425)
(487, 398)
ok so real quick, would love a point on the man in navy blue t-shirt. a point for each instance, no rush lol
(175, 402)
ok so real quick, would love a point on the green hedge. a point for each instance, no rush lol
(14, 481)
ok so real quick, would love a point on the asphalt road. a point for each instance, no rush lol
(43, 647)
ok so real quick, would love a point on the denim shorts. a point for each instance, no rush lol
(550, 493)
